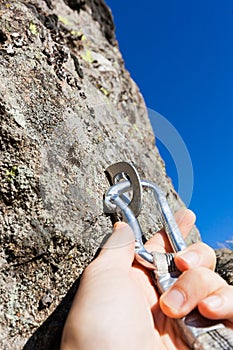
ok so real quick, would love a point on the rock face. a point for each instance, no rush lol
(68, 110)
(225, 264)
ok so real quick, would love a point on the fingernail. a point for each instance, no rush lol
(191, 258)
(121, 236)
(119, 224)
(213, 302)
(174, 299)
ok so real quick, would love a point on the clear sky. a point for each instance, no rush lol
(180, 53)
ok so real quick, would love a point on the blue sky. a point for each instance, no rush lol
(180, 53)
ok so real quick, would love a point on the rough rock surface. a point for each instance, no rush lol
(225, 264)
(68, 110)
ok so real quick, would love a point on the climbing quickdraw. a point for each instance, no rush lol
(198, 332)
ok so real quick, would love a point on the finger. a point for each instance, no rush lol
(218, 305)
(191, 287)
(198, 254)
(185, 219)
(118, 251)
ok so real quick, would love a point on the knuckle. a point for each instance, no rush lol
(197, 274)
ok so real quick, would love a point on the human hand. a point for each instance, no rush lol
(117, 306)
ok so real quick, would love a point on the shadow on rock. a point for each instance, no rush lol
(48, 335)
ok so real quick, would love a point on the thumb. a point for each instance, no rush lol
(118, 251)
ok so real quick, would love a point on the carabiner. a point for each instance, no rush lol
(116, 198)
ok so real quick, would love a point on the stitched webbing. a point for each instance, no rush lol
(218, 339)
(164, 263)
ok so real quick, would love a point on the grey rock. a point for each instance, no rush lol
(225, 264)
